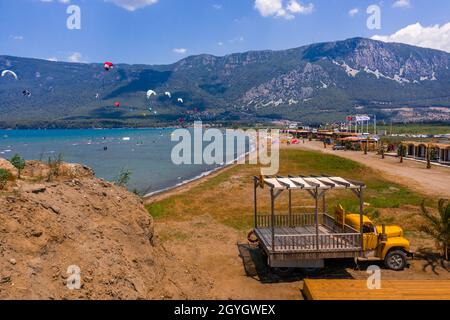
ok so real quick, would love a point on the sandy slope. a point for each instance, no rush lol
(77, 219)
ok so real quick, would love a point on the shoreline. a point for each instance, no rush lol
(185, 185)
(190, 183)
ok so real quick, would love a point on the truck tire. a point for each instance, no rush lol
(395, 260)
(283, 272)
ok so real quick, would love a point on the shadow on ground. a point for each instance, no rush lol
(255, 265)
(432, 260)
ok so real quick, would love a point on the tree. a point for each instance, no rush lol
(19, 163)
(382, 151)
(401, 152)
(4, 176)
(438, 226)
(123, 178)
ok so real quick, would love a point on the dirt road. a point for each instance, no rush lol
(433, 182)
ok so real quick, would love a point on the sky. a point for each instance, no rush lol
(165, 31)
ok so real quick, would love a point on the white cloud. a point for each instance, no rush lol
(282, 8)
(220, 43)
(297, 7)
(61, 1)
(237, 39)
(217, 6)
(18, 38)
(353, 12)
(435, 37)
(402, 4)
(53, 59)
(75, 57)
(132, 5)
(180, 50)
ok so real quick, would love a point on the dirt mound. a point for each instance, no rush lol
(49, 223)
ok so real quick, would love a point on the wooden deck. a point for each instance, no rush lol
(390, 290)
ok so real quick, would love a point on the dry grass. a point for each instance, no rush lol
(228, 197)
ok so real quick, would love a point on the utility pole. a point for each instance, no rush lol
(375, 124)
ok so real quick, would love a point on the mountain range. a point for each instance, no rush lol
(311, 84)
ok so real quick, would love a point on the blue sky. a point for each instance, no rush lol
(164, 31)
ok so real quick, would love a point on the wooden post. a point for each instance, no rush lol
(290, 209)
(255, 191)
(361, 214)
(324, 203)
(316, 197)
(273, 218)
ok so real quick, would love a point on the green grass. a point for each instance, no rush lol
(231, 203)
(417, 128)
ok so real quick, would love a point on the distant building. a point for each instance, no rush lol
(439, 152)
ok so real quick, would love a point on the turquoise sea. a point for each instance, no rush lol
(145, 152)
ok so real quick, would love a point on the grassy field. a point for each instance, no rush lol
(228, 197)
(416, 129)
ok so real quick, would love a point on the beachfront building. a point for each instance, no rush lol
(439, 152)
(359, 143)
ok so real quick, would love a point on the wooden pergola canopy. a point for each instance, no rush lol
(309, 183)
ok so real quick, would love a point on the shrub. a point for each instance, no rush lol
(123, 178)
(438, 226)
(4, 177)
(19, 163)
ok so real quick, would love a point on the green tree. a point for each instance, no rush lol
(4, 177)
(401, 152)
(382, 151)
(428, 157)
(123, 178)
(438, 226)
(19, 163)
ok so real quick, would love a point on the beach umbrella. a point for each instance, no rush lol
(168, 94)
(12, 73)
(180, 100)
(117, 104)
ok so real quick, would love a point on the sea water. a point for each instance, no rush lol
(146, 153)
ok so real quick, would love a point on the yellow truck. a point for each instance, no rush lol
(382, 243)
(305, 240)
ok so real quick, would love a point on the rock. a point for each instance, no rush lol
(13, 261)
(36, 234)
(37, 188)
(5, 279)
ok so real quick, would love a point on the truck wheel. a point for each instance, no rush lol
(395, 260)
(283, 272)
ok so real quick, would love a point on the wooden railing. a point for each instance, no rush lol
(285, 221)
(334, 242)
(341, 238)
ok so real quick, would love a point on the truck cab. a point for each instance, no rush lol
(384, 243)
